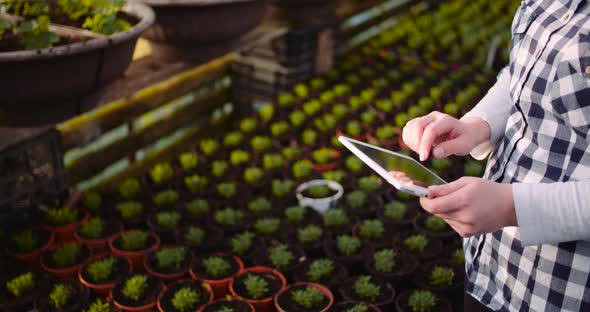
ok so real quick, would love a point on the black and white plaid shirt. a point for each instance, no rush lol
(539, 113)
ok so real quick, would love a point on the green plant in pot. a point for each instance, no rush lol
(168, 220)
(365, 289)
(59, 217)
(308, 298)
(188, 161)
(248, 125)
(309, 137)
(385, 133)
(312, 107)
(318, 191)
(259, 206)
(197, 208)
(266, 112)
(260, 143)
(335, 219)
(340, 111)
(348, 245)
(309, 235)
(401, 119)
(267, 226)
(301, 169)
(93, 202)
(279, 128)
(301, 90)
(295, 214)
(26, 242)
(185, 299)
(209, 146)
(161, 173)
(233, 139)
(93, 229)
(166, 198)
(282, 188)
(273, 161)
(280, 256)
(435, 224)
(422, 301)
(253, 175)
(216, 267)
(325, 123)
(384, 260)
(320, 269)
(334, 175)
(134, 240)
(353, 164)
(129, 188)
(239, 157)
(256, 287)
(194, 236)
(60, 296)
(357, 200)
(416, 243)
(372, 230)
(354, 128)
(297, 118)
(285, 99)
(170, 259)
(101, 270)
(227, 190)
(395, 210)
(441, 276)
(67, 255)
(228, 217)
(243, 243)
(99, 305)
(196, 183)
(370, 184)
(325, 156)
(219, 168)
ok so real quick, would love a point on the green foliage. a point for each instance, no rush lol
(273, 161)
(216, 267)
(194, 235)
(135, 287)
(266, 112)
(422, 301)
(307, 298)
(256, 286)
(99, 305)
(370, 184)
(335, 218)
(129, 188)
(384, 260)
(372, 229)
(325, 123)
(36, 34)
(267, 226)
(324, 155)
(334, 175)
(318, 83)
(21, 284)
(416, 243)
(66, 255)
(162, 173)
(102, 269)
(365, 289)
(387, 106)
(368, 117)
(59, 296)
(196, 183)
(229, 217)
(441, 276)
(385, 133)
(348, 245)
(441, 163)
(248, 125)
(309, 234)
(169, 258)
(242, 243)
(103, 16)
(238, 157)
(395, 210)
(282, 188)
(219, 168)
(133, 240)
(92, 200)
(260, 143)
(26, 241)
(473, 168)
(301, 169)
(297, 118)
(188, 161)
(252, 175)
(185, 299)
(280, 256)
(168, 220)
(458, 256)
(233, 138)
(354, 128)
(227, 189)
(340, 110)
(166, 198)
(353, 163)
(62, 216)
(435, 224)
(356, 199)
(93, 229)
(295, 214)
(401, 119)
(309, 137)
(301, 90)
(359, 307)
(318, 191)
(291, 152)
(259, 206)
(320, 269)
(209, 146)
(197, 207)
(130, 209)
(279, 128)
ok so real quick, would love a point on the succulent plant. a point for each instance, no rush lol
(260, 143)
(62, 216)
(335, 218)
(385, 132)
(253, 175)
(301, 169)
(135, 287)
(458, 256)
(99, 305)
(339, 111)
(66, 255)
(168, 219)
(227, 189)
(384, 260)
(318, 191)
(353, 163)
(435, 224)
(248, 125)
(416, 243)
(92, 201)
(256, 286)
(266, 112)
(267, 226)
(185, 299)
(133, 240)
(59, 296)
(282, 188)
(26, 241)
(320, 269)
(166, 198)
(309, 234)
(309, 137)
(209, 146)
(169, 258)
(219, 168)
(395, 210)
(195, 183)
(194, 235)
(473, 168)
(239, 157)
(370, 184)
(354, 128)
(273, 161)
(216, 267)
(442, 276)
(325, 155)
(162, 173)
(318, 83)
(312, 107)
(295, 214)
(365, 289)
(422, 301)
(94, 228)
(280, 256)
(188, 161)
(21, 284)
(325, 123)
(279, 128)
(242, 243)
(356, 199)
(233, 139)
(197, 207)
(359, 307)
(259, 206)
(101, 270)
(129, 188)
(301, 90)
(297, 118)
(229, 217)
(308, 297)
(348, 245)
(285, 99)
(372, 229)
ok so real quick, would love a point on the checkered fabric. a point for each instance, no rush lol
(546, 140)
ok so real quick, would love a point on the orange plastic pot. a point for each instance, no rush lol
(149, 307)
(32, 259)
(65, 234)
(63, 273)
(101, 290)
(167, 277)
(262, 305)
(171, 286)
(220, 287)
(136, 257)
(99, 245)
(323, 290)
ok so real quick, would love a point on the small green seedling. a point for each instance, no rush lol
(216, 267)
(21, 284)
(92, 201)
(62, 216)
(169, 258)
(166, 198)
(162, 173)
(99, 305)
(134, 240)
(359, 307)
(301, 169)
(318, 191)
(279, 128)
(253, 175)
(233, 139)
(242, 243)
(385, 133)
(93, 229)
(26, 241)
(282, 188)
(285, 99)
(256, 286)
(135, 287)
(324, 155)
(356, 199)
(441, 276)
(168, 220)
(239, 157)
(435, 224)
(458, 256)
(395, 210)
(267, 226)
(334, 175)
(372, 229)
(101, 270)
(353, 164)
(384, 260)
(194, 236)
(295, 214)
(229, 217)
(185, 299)
(219, 168)
(273, 161)
(259, 206)
(422, 301)
(280, 256)
(416, 243)
(59, 296)
(195, 183)
(209, 146)
(130, 209)
(129, 188)
(247, 125)
(309, 234)
(308, 298)
(335, 218)
(365, 289)
(197, 208)
(370, 184)
(66, 255)
(348, 245)
(309, 137)
(297, 118)
(320, 269)
(266, 112)
(227, 189)
(260, 143)
(188, 161)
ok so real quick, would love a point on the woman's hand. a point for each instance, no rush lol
(446, 134)
(472, 206)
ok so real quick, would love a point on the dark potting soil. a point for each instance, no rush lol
(43, 240)
(153, 264)
(199, 270)
(234, 305)
(385, 297)
(287, 303)
(150, 295)
(48, 259)
(203, 295)
(78, 299)
(120, 270)
(274, 285)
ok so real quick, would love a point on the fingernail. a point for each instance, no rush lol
(438, 152)
(422, 156)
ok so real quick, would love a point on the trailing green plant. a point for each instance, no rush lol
(273, 161)
(194, 235)
(395, 210)
(384, 260)
(188, 161)
(301, 169)
(135, 287)
(442, 276)
(260, 143)
(259, 206)
(133, 240)
(280, 256)
(353, 164)
(216, 267)
(233, 139)
(372, 229)
(229, 217)
(168, 220)
(256, 286)
(26, 241)
(130, 209)
(253, 175)
(94, 228)
(60, 295)
(99, 305)
(416, 243)
(348, 245)
(320, 269)
(356, 199)
(422, 301)
(129, 188)
(196, 182)
(21, 284)
(295, 214)
(325, 155)
(66, 255)
(92, 200)
(309, 234)
(166, 198)
(335, 218)
(370, 184)
(101, 270)
(308, 297)
(62, 216)
(248, 125)
(219, 168)
(435, 224)
(185, 299)
(197, 207)
(162, 173)
(267, 226)
(169, 258)
(242, 243)
(365, 289)
(238, 157)
(227, 189)
(281, 188)
(209, 146)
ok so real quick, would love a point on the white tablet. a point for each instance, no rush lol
(403, 172)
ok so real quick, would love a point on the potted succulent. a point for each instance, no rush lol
(370, 184)
(273, 161)
(260, 206)
(309, 137)
(21, 289)
(248, 125)
(281, 188)
(352, 306)
(440, 277)
(301, 169)
(258, 286)
(239, 158)
(100, 305)
(297, 216)
(199, 238)
(184, 296)
(196, 183)
(93, 203)
(131, 213)
(386, 136)
(363, 204)
(219, 168)
(369, 289)
(422, 246)
(266, 113)
(253, 176)
(323, 271)
(164, 224)
(304, 297)
(63, 222)
(28, 245)
(372, 231)
(228, 305)
(166, 199)
(297, 118)
(65, 260)
(188, 161)
(282, 257)
(129, 189)
(102, 273)
(227, 190)
(421, 301)
(390, 264)
(71, 296)
(310, 238)
(209, 146)
(245, 245)
(260, 143)
(232, 139)
(397, 213)
(95, 234)
(196, 210)
(134, 245)
(216, 270)
(433, 226)
(136, 293)
(337, 221)
(229, 219)
(353, 164)
(168, 263)
(325, 159)
(160, 175)
(268, 227)
(346, 249)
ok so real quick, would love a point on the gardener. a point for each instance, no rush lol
(527, 223)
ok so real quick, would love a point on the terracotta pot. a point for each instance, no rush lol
(65, 233)
(166, 295)
(103, 290)
(261, 305)
(31, 259)
(63, 273)
(136, 257)
(220, 287)
(98, 245)
(157, 287)
(208, 307)
(325, 291)
(168, 277)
